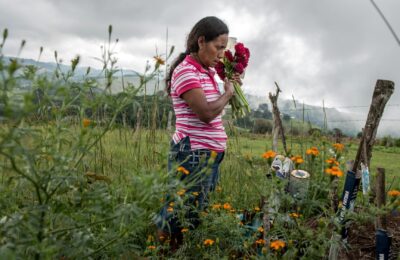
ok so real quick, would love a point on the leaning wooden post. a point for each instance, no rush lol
(382, 92)
(277, 126)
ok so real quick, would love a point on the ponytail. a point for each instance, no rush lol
(175, 64)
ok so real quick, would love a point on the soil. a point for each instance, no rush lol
(362, 240)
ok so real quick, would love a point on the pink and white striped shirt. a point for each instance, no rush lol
(189, 74)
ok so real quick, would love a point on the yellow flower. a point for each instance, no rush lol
(394, 193)
(227, 206)
(213, 154)
(277, 245)
(264, 250)
(86, 122)
(150, 238)
(181, 192)
(183, 170)
(171, 204)
(294, 215)
(338, 147)
(260, 229)
(209, 242)
(257, 209)
(216, 206)
(170, 209)
(151, 247)
(184, 230)
(218, 189)
(269, 154)
(195, 193)
(159, 60)
(260, 241)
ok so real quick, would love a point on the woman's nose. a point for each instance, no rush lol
(220, 54)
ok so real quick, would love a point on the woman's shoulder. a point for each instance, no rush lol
(185, 68)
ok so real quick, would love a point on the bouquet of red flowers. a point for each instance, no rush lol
(226, 68)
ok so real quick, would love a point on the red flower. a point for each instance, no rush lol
(239, 68)
(240, 50)
(247, 53)
(220, 68)
(242, 60)
(229, 55)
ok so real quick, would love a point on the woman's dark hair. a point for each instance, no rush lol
(210, 27)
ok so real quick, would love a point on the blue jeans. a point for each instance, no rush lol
(202, 178)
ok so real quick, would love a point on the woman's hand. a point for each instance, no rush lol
(237, 77)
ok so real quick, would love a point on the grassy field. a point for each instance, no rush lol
(108, 202)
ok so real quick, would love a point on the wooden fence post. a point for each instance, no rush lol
(277, 125)
(381, 221)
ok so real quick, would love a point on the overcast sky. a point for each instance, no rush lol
(331, 50)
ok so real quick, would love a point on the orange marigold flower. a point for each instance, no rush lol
(159, 60)
(394, 193)
(183, 170)
(277, 245)
(86, 122)
(260, 241)
(260, 229)
(269, 154)
(227, 206)
(299, 161)
(256, 208)
(171, 204)
(334, 171)
(170, 209)
(151, 247)
(338, 147)
(209, 242)
(195, 193)
(295, 158)
(313, 151)
(213, 154)
(184, 230)
(332, 161)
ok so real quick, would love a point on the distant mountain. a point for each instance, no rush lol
(129, 76)
(347, 122)
(313, 114)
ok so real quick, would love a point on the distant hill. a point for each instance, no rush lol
(313, 114)
(121, 78)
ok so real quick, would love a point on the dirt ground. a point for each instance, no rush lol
(362, 240)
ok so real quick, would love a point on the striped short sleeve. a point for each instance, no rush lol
(185, 79)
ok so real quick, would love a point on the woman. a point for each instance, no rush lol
(199, 141)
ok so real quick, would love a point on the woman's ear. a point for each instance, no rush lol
(201, 41)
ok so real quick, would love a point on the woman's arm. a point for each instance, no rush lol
(205, 110)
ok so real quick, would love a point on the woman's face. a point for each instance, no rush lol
(211, 52)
